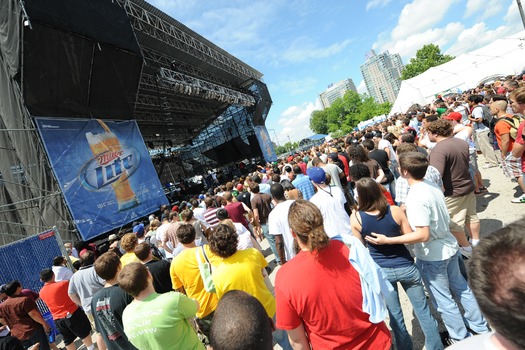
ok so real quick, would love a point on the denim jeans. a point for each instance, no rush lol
(281, 337)
(271, 241)
(410, 280)
(443, 279)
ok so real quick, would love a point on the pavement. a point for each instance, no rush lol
(495, 211)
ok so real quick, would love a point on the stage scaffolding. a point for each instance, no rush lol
(194, 102)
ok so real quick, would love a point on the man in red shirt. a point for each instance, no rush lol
(23, 318)
(236, 210)
(70, 319)
(318, 292)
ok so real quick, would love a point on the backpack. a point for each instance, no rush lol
(154, 249)
(487, 117)
(514, 123)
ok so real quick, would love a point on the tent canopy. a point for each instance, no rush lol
(504, 56)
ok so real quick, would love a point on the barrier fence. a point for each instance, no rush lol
(24, 259)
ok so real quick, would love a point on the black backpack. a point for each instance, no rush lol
(154, 249)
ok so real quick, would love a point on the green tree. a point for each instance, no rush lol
(345, 113)
(318, 122)
(426, 57)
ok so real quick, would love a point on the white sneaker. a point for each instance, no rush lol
(466, 251)
(519, 199)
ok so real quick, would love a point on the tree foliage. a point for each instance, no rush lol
(345, 113)
(426, 57)
(287, 147)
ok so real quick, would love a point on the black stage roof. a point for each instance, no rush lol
(129, 60)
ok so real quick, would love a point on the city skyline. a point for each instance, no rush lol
(301, 46)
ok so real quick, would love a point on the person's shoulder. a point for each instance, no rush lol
(478, 342)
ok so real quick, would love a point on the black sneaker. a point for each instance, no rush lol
(446, 339)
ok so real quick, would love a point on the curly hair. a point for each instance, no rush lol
(223, 241)
(441, 127)
(306, 221)
(357, 153)
(128, 242)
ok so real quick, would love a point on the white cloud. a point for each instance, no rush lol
(361, 88)
(474, 6)
(303, 49)
(295, 122)
(377, 3)
(419, 16)
(439, 36)
(415, 28)
(487, 9)
(480, 35)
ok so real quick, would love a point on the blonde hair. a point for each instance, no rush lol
(128, 242)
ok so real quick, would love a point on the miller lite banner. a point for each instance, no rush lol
(104, 170)
(265, 142)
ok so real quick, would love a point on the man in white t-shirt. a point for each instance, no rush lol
(331, 202)
(481, 131)
(436, 250)
(278, 223)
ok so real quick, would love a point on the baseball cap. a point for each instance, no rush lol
(453, 116)
(316, 174)
(201, 196)
(139, 230)
(333, 156)
(112, 238)
(3, 288)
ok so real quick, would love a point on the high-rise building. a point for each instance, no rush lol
(335, 91)
(382, 75)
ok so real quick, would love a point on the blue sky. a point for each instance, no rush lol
(301, 46)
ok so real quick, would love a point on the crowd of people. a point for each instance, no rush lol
(348, 223)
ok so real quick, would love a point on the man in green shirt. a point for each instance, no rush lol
(156, 321)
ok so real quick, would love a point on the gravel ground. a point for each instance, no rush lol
(495, 210)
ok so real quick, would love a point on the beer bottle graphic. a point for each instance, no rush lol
(106, 149)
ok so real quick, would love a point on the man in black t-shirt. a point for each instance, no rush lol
(381, 157)
(109, 303)
(159, 269)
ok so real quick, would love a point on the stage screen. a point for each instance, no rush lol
(104, 170)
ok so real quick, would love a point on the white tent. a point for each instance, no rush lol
(504, 56)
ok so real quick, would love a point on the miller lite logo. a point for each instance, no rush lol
(105, 168)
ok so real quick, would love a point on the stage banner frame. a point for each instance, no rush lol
(265, 143)
(104, 170)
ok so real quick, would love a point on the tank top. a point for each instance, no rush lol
(388, 255)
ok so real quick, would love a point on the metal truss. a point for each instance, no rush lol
(187, 85)
(151, 24)
(151, 56)
(166, 105)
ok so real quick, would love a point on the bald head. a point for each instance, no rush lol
(498, 107)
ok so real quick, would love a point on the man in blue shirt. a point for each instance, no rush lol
(302, 183)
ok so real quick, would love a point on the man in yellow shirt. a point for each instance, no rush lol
(128, 243)
(186, 278)
(243, 270)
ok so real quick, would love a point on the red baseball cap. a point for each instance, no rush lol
(454, 116)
